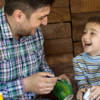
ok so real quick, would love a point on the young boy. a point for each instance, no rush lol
(87, 64)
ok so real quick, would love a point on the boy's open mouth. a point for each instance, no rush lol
(88, 44)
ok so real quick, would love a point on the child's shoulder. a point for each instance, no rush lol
(80, 56)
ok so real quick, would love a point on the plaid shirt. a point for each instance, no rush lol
(18, 60)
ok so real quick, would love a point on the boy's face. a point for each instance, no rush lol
(91, 39)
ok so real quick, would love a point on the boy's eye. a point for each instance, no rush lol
(92, 33)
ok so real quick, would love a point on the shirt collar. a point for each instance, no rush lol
(6, 32)
(94, 58)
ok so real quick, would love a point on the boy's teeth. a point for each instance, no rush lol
(87, 44)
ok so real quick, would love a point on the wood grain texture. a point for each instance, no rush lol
(2, 3)
(68, 71)
(56, 31)
(77, 33)
(78, 48)
(82, 18)
(84, 6)
(55, 61)
(59, 15)
(58, 46)
(61, 3)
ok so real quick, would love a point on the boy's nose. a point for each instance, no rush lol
(86, 36)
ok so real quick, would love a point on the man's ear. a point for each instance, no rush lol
(18, 15)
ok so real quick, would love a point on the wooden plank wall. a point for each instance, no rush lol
(2, 3)
(63, 33)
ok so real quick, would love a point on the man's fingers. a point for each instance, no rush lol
(44, 74)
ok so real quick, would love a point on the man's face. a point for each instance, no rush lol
(28, 27)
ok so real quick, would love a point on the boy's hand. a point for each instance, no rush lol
(95, 92)
(63, 76)
(80, 93)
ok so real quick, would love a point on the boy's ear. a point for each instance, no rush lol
(18, 15)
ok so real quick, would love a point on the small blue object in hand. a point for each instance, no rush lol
(57, 79)
(83, 92)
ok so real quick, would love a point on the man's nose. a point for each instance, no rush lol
(44, 21)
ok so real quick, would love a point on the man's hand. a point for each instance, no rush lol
(95, 92)
(39, 84)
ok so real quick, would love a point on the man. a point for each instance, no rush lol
(23, 67)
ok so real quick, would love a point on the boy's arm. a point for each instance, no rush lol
(79, 75)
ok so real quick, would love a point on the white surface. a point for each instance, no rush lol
(69, 97)
(86, 95)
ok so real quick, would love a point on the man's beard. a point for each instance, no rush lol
(23, 32)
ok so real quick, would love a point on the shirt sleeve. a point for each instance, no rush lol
(80, 78)
(12, 89)
(43, 66)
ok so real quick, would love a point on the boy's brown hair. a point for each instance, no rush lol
(94, 19)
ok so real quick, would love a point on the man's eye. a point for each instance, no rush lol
(41, 18)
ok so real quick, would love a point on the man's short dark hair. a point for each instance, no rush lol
(26, 6)
(94, 19)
